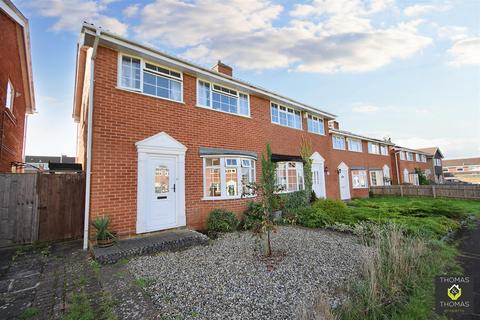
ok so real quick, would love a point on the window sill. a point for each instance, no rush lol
(281, 125)
(149, 95)
(318, 134)
(233, 114)
(227, 198)
(359, 188)
(355, 151)
(339, 149)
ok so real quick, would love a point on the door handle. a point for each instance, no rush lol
(174, 187)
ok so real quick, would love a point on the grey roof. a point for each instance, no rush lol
(348, 133)
(204, 151)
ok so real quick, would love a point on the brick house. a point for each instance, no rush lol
(465, 170)
(165, 141)
(16, 84)
(434, 159)
(405, 162)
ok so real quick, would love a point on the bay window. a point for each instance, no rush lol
(338, 142)
(220, 98)
(150, 79)
(290, 176)
(315, 125)
(287, 117)
(359, 179)
(354, 145)
(227, 177)
(376, 178)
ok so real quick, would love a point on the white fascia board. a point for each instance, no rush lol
(350, 135)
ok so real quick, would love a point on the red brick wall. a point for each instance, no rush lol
(409, 165)
(12, 124)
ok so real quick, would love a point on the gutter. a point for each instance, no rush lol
(396, 166)
(89, 142)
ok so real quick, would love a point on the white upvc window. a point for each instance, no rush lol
(338, 142)
(285, 116)
(354, 144)
(437, 162)
(359, 179)
(148, 78)
(290, 176)
(220, 98)
(376, 178)
(227, 177)
(315, 124)
(409, 156)
(384, 150)
(418, 157)
(373, 148)
(10, 96)
(402, 155)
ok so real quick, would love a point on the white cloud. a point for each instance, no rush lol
(322, 36)
(452, 32)
(420, 9)
(465, 52)
(70, 14)
(131, 10)
(369, 108)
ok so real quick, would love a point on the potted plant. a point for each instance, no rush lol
(104, 237)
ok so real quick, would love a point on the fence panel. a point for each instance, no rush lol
(40, 207)
(447, 191)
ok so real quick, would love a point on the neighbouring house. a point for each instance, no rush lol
(434, 159)
(359, 161)
(463, 170)
(41, 163)
(16, 85)
(164, 141)
(407, 163)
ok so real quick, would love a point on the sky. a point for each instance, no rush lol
(409, 70)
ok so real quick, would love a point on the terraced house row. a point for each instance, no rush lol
(165, 141)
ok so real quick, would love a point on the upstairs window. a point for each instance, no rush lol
(437, 162)
(384, 150)
(354, 145)
(223, 99)
(409, 156)
(290, 176)
(338, 142)
(136, 74)
(402, 155)
(287, 117)
(373, 148)
(10, 96)
(315, 125)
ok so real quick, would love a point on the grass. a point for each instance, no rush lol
(142, 283)
(29, 313)
(408, 236)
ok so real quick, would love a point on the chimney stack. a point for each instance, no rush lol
(223, 68)
(333, 124)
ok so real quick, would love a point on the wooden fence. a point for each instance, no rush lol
(43, 207)
(457, 191)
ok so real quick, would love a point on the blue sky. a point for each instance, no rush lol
(409, 70)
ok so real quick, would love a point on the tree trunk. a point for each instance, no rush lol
(266, 246)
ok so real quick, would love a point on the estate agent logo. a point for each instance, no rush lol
(454, 294)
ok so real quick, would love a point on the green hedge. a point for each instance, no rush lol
(222, 220)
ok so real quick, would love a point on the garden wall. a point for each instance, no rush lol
(459, 191)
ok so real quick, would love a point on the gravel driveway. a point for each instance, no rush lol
(229, 280)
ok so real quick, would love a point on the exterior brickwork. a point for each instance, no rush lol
(12, 123)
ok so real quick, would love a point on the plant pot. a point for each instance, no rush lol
(104, 243)
(277, 215)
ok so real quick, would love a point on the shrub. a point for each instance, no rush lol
(101, 225)
(222, 220)
(252, 215)
(313, 217)
(336, 209)
(292, 202)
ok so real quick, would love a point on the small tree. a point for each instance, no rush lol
(422, 179)
(306, 153)
(266, 191)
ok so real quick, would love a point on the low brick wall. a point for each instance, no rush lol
(447, 191)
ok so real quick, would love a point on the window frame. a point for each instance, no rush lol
(380, 178)
(360, 173)
(348, 139)
(384, 147)
(371, 144)
(403, 156)
(407, 156)
(341, 137)
(143, 63)
(318, 120)
(279, 106)
(10, 95)
(286, 176)
(223, 173)
(212, 84)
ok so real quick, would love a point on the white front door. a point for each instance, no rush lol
(344, 181)
(160, 200)
(318, 180)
